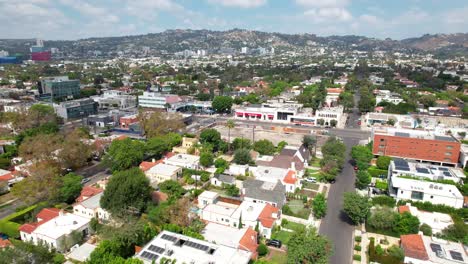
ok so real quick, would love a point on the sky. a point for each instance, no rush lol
(76, 19)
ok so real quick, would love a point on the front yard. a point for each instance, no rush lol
(282, 236)
(296, 208)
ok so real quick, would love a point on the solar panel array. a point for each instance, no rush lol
(435, 247)
(443, 169)
(447, 173)
(401, 164)
(422, 170)
(401, 134)
(196, 246)
(156, 249)
(169, 238)
(148, 255)
(444, 138)
(456, 255)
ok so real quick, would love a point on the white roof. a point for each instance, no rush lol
(82, 253)
(437, 221)
(190, 250)
(447, 252)
(223, 235)
(436, 189)
(61, 225)
(185, 158)
(269, 174)
(163, 169)
(93, 202)
(208, 195)
(3, 172)
(221, 208)
(249, 210)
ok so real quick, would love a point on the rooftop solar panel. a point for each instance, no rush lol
(443, 169)
(156, 249)
(422, 170)
(456, 255)
(169, 238)
(148, 255)
(401, 134)
(444, 138)
(402, 168)
(435, 247)
(447, 173)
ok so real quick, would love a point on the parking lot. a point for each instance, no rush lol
(248, 132)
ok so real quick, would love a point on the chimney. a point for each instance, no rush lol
(293, 166)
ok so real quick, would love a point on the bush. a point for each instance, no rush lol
(357, 247)
(262, 250)
(384, 201)
(383, 162)
(9, 228)
(357, 257)
(379, 250)
(284, 222)
(429, 207)
(383, 259)
(377, 173)
(426, 229)
(358, 238)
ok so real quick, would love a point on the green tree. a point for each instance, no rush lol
(25, 253)
(159, 124)
(319, 206)
(221, 163)
(357, 207)
(172, 188)
(126, 193)
(310, 142)
(210, 136)
(333, 123)
(230, 125)
(426, 229)
(242, 157)
(222, 104)
(407, 224)
(264, 147)
(241, 143)
(382, 218)
(363, 179)
(156, 147)
(383, 162)
(308, 247)
(206, 159)
(124, 154)
(70, 188)
(281, 146)
(456, 232)
(262, 249)
(231, 189)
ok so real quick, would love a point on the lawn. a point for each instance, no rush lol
(296, 206)
(294, 226)
(309, 193)
(315, 162)
(312, 171)
(278, 257)
(282, 236)
(312, 186)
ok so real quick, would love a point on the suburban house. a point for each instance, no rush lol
(244, 238)
(220, 179)
(420, 249)
(187, 144)
(215, 209)
(288, 177)
(424, 171)
(184, 161)
(52, 228)
(258, 191)
(437, 221)
(295, 158)
(163, 172)
(89, 205)
(186, 249)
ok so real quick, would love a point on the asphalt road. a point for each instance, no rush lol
(335, 225)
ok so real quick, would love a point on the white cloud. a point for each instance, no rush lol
(99, 13)
(322, 3)
(328, 14)
(239, 3)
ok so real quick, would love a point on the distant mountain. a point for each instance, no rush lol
(213, 41)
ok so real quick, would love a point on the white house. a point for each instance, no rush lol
(186, 249)
(52, 228)
(425, 191)
(184, 161)
(163, 172)
(288, 177)
(419, 249)
(327, 114)
(426, 171)
(387, 96)
(91, 208)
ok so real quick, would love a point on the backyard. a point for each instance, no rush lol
(296, 208)
(276, 256)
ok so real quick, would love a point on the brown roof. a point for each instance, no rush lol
(5, 243)
(413, 245)
(87, 192)
(266, 216)
(404, 208)
(249, 241)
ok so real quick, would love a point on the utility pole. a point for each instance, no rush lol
(253, 134)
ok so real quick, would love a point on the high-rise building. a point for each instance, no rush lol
(76, 108)
(59, 87)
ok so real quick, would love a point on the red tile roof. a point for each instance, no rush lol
(334, 90)
(266, 216)
(5, 243)
(290, 177)
(44, 215)
(404, 208)
(146, 165)
(6, 177)
(87, 192)
(249, 241)
(413, 245)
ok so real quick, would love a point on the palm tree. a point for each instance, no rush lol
(229, 124)
(310, 142)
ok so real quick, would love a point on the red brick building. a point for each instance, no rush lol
(416, 145)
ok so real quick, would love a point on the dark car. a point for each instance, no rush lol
(356, 168)
(274, 243)
(332, 181)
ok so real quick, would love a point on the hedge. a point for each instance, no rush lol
(17, 215)
(384, 201)
(357, 257)
(357, 247)
(376, 172)
(11, 229)
(429, 207)
(9, 225)
(358, 238)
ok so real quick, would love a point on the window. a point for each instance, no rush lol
(448, 153)
(382, 139)
(417, 195)
(432, 196)
(449, 147)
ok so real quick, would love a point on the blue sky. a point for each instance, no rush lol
(74, 19)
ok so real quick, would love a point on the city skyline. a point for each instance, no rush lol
(66, 19)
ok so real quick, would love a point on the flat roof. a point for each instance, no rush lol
(443, 251)
(82, 253)
(164, 169)
(425, 170)
(437, 189)
(190, 250)
(61, 225)
(221, 208)
(250, 211)
(410, 133)
(223, 235)
(184, 158)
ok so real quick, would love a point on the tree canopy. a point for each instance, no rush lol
(319, 206)
(357, 207)
(222, 104)
(308, 247)
(264, 147)
(126, 193)
(124, 154)
(158, 124)
(242, 156)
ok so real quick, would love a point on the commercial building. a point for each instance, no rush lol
(58, 87)
(418, 145)
(278, 112)
(331, 116)
(403, 188)
(420, 249)
(186, 249)
(52, 227)
(76, 108)
(424, 171)
(157, 100)
(115, 99)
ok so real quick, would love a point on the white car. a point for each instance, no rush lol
(310, 180)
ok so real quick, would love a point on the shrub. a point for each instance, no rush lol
(379, 250)
(384, 201)
(9, 228)
(357, 247)
(284, 222)
(358, 238)
(426, 229)
(383, 162)
(357, 257)
(262, 250)
(396, 252)
(376, 173)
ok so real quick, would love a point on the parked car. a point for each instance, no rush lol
(332, 181)
(85, 180)
(356, 168)
(274, 243)
(311, 180)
